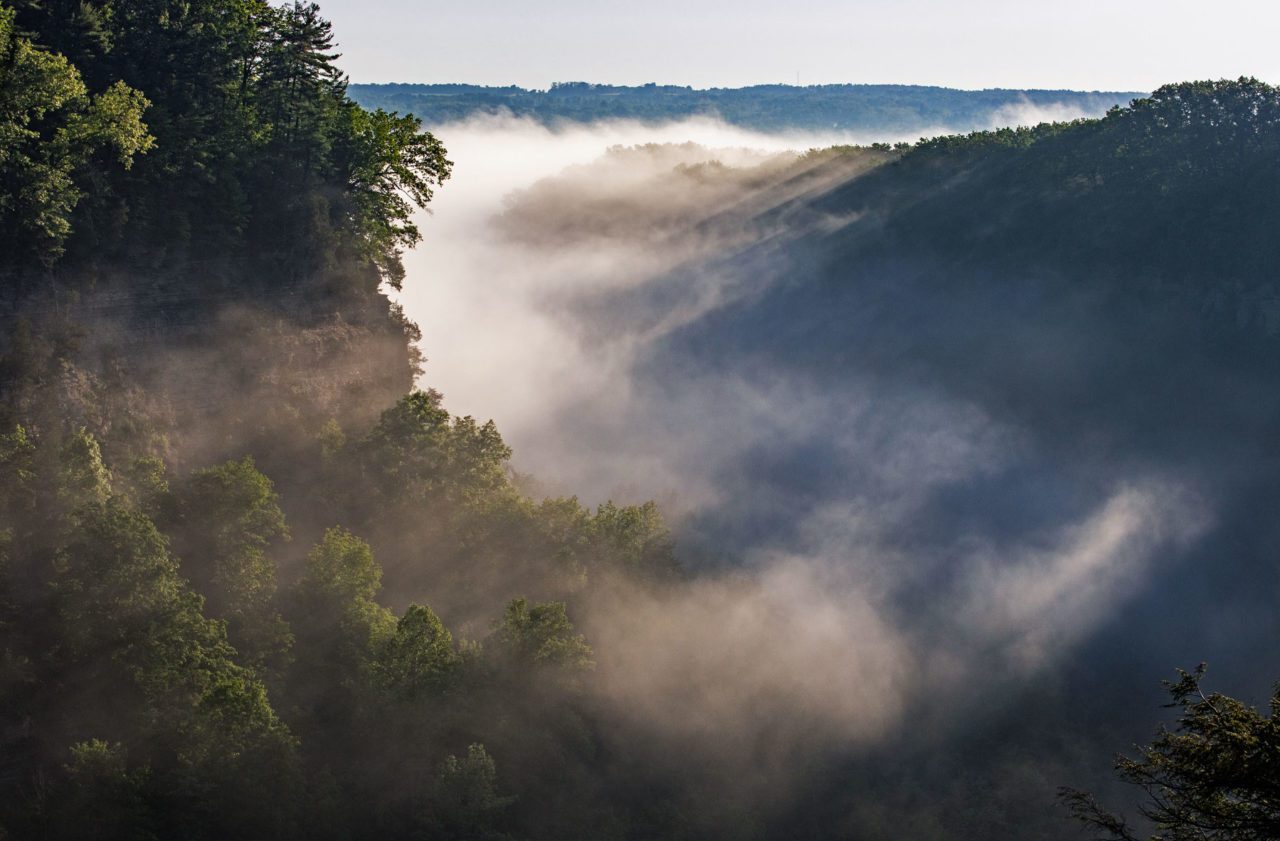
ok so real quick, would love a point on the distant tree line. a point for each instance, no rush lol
(888, 109)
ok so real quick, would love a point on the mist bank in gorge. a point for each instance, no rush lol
(256, 581)
(882, 109)
(1002, 398)
(478, 288)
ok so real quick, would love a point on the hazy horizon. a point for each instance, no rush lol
(990, 44)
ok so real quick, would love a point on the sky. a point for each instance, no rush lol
(1130, 45)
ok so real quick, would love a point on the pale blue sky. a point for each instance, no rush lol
(1119, 45)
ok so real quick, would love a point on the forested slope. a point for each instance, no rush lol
(214, 460)
(1032, 250)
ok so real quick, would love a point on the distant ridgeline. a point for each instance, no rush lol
(894, 108)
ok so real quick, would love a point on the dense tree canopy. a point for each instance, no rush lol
(251, 126)
(51, 131)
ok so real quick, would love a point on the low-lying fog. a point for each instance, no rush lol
(870, 546)
(496, 310)
(498, 344)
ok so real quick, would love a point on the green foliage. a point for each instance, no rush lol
(341, 570)
(418, 453)
(394, 166)
(635, 538)
(541, 635)
(299, 82)
(50, 130)
(332, 440)
(227, 516)
(438, 488)
(89, 592)
(250, 124)
(335, 605)
(419, 658)
(144, 484)
(160, 674)
(17, 475)
(466, 803)
(83, 478)
(101, 797)
(117, 579)
(1215, 775)
(223, 521)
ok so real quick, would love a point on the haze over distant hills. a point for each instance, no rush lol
(845, 108)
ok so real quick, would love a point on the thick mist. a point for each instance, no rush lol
(538, 223)
(486, 297)
(884, 551)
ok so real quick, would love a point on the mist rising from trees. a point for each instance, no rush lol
(909, 406)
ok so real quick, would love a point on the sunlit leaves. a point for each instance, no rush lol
(541, 635)
(419, 657)
(392, 168)
(50, 127)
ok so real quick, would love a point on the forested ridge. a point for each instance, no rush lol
(212, 447)
(880, 109)
(255, 584)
